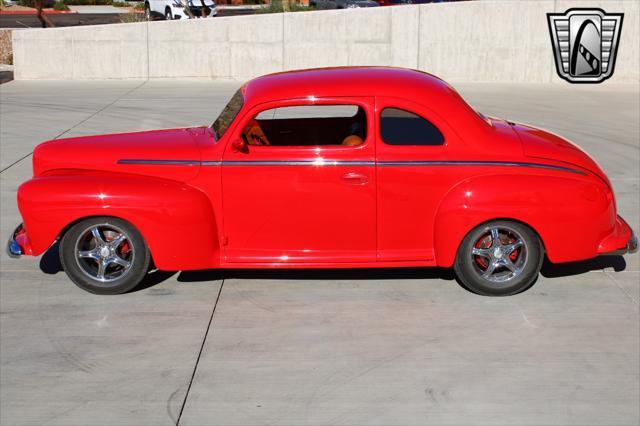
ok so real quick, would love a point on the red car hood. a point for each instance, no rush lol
(104, 151)
(538, 143)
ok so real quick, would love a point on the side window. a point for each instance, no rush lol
(400, 127)
(308, 125)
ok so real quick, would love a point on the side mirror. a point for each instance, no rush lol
(239, 146)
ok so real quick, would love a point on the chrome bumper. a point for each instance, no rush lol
(632, 247)
(13, 248)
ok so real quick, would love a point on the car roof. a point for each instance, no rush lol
(413, 85)
(343, 81)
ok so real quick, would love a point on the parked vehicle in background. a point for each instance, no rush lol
(175, 9)
(342, 4)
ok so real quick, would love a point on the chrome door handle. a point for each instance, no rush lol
(355, 178)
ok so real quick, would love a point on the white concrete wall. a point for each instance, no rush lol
(503, 40)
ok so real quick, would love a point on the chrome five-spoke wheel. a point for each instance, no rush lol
(104, 252)
(500, 254)
(104, 255)
(499, 258)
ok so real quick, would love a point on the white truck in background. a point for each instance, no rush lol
(175, 9)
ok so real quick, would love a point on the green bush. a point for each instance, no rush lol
(118, 3)
(139, 6)
(59, 5)
(275, 6)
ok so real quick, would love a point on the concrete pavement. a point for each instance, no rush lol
(384, 347)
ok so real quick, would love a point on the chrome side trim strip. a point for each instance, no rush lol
(299, 163)
(480, 163)
(347, 163)
(160, 162)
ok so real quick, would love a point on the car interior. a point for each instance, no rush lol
(309, 125)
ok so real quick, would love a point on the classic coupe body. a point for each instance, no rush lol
(328, 168)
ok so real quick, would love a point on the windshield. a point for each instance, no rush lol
(228, 114)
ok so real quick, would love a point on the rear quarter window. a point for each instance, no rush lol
(401, 127)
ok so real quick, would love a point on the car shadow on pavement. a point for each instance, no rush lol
(318, 274)
(50, 264)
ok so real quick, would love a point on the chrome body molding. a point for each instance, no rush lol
(481, 163)
(160, 162)
(323, 162)
(318, 162)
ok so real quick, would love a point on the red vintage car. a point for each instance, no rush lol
(328, 168)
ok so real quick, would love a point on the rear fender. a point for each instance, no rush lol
(570, 214)
(175, 219)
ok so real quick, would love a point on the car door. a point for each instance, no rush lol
(293, 193)
(413, 144)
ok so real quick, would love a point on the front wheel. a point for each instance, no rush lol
(104, 255)
(168, 15)
(499, 258)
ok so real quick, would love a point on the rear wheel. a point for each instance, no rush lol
(499, 258)
(104, 255)
(168, 15)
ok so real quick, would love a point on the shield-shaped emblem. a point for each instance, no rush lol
(585, 43)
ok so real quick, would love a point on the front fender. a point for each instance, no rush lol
(570, 214)
(175, 219)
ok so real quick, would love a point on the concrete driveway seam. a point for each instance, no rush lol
(79, 123)
(617, 284)
(204, 340)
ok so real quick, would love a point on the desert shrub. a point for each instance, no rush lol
(276, 6)
(59, 5)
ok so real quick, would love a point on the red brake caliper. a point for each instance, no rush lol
(514, 254)
(482, 243)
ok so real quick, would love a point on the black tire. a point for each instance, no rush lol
(122, 265)
(499, 269)
(168, 15)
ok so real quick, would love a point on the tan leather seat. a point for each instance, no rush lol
(352, 140)
(254, 135)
